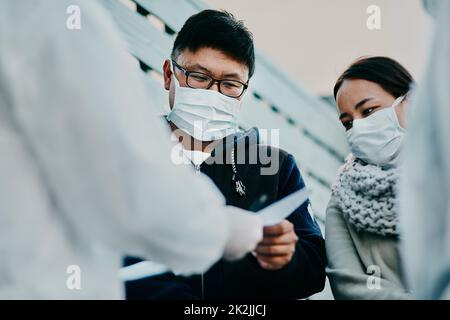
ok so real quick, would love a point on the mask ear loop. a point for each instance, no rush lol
(399, 100)
(172, 68)
(396, 103)
(177, 84)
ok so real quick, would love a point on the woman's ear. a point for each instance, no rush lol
(167, 72)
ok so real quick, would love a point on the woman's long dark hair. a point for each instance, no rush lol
(384, 71)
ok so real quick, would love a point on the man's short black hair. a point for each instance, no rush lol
(218, 30)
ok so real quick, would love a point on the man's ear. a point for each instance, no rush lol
(167, 72)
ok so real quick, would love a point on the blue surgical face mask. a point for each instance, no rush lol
(378, 138)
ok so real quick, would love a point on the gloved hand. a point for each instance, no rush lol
(246, 231)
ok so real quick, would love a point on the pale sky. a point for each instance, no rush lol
(314, 40)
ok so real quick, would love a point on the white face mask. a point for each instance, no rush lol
(378, 138)
(206, 115)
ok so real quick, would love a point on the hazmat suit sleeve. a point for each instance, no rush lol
(425, 185)
(82, 111)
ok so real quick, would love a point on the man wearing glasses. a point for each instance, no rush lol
(207, 76)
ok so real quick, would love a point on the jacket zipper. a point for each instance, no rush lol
(197, 168)
(203, 286)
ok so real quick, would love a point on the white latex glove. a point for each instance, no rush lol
(246, 231)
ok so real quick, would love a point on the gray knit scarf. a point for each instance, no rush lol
(366, 195)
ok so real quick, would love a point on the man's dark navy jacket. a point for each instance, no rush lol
(303, 276)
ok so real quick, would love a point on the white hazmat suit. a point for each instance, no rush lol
(85, 169)
(425, 183)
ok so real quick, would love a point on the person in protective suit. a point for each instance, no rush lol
(85, 169)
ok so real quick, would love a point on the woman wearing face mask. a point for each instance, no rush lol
(362, 236)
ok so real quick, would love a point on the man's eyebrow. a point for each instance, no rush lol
(206, 70)
(197, 66)
(232, 75)
(362, 102)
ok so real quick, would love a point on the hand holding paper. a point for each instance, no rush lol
(278, 245)
(273, 252)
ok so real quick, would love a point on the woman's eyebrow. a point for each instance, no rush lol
(362, 102)
(357, 106)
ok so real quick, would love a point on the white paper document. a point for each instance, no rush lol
(141, 270)
(280, 210)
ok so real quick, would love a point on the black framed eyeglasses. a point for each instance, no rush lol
(199, 80)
